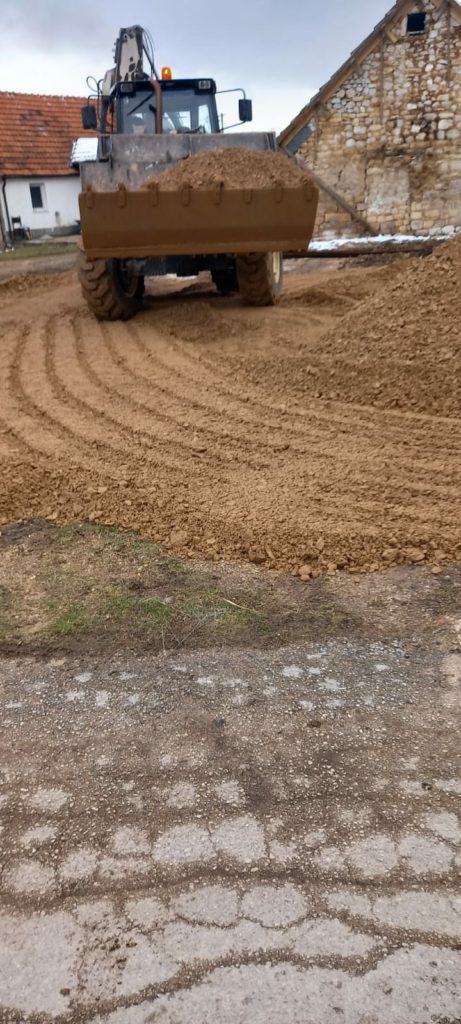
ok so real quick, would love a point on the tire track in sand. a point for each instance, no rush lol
(23, 419)
(326, 482)
(73, 389)
(134, 359)
(50, 419)
(110, 371)
(387, 429)
(328, 414)
(318, 428)
(127, 335)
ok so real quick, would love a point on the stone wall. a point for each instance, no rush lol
(389, 139)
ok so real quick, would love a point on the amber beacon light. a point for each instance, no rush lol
(166, 74)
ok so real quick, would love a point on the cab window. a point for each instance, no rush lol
(138, 114)
(184, 111)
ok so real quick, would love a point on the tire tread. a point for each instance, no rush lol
(257, 284)
(100, 291)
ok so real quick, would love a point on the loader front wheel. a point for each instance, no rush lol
(111, 288)
(260, 277)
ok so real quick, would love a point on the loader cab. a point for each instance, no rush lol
(189, 107)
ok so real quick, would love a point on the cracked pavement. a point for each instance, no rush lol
(233, 836)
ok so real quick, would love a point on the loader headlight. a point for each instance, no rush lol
(204, 84)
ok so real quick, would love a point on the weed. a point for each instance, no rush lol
(6, 605)
(6, 597)
(174, 565)
(211, 608)
(73, 622)
(148, 612)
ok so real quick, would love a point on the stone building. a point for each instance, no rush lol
(385, 131)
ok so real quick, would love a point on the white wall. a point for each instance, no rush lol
(61, 201)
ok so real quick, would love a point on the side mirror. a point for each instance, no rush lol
(89, 118)
(245, 110)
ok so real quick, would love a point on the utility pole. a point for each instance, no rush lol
(3, 232)
(5, 237)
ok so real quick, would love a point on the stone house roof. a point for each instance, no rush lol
(37, 133)
(399, 9)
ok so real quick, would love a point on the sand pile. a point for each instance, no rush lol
(26, 283)
(184, 424)
(234, 168)
(398, 349)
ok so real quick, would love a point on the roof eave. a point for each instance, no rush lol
(70, 173)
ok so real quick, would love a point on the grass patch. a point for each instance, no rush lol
(150, 612)
(173, 565)
(111, 588)
(37, 251)
(122, 613)
(75, 621)
(183, 604)
(125, 543)
(6, 605)
(212, 609)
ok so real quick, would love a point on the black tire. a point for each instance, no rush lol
(225, 281)
(260, 277)
(111, 291)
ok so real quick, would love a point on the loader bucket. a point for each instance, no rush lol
(125, 214)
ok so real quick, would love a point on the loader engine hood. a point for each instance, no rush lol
(131, 160)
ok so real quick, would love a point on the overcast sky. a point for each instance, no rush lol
(280, 51)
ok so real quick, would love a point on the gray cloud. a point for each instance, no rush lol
(52, 26)
(249, 40)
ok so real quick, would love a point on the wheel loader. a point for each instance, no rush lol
(132, 229)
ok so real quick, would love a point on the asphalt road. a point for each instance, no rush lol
(236, 837)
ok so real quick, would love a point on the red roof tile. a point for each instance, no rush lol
(37, 132)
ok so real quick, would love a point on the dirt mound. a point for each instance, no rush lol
(185, 424)
(233, 168)
(399, 348)
(24, 283)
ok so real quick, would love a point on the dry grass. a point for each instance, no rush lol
(90, 587)
(88, 581)
(37, 250)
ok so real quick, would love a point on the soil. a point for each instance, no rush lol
(23, 283)
(233, 168)
(399, 350)
(319, 435)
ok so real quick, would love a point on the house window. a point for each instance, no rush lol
(416, 23)
(38, 197)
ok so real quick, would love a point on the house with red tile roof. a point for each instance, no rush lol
(38, 186)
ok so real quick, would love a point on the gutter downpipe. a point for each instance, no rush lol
(8, 242)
